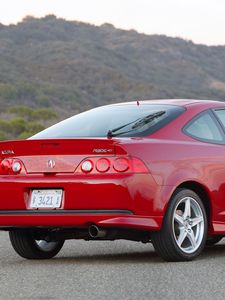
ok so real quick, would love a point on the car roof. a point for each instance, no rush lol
(179, 102)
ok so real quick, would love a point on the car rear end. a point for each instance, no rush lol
(74, 183)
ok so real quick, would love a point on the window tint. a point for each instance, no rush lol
(205, 128)
(121, 120)
(221, 115)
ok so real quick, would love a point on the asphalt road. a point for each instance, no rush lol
(110, 270)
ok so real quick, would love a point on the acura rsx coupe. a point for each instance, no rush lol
(148, 171)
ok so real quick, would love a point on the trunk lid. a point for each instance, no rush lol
(58, 155)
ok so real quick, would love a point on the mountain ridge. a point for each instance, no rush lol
(71, 66)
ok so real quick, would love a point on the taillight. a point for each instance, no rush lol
(5, 166)
(87, 166)
(121, 164)
(11, 166)
(16, 167)
(111, 165)
(102, 165)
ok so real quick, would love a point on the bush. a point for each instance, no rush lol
(24, 122)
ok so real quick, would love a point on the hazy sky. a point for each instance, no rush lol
(202, 21)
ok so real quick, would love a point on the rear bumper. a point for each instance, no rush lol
(78, 219)
(122, 201)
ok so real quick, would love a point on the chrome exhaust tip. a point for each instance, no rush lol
(95, 232)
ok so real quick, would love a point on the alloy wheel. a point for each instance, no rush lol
(188, 225)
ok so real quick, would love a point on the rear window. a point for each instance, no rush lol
(128, 120)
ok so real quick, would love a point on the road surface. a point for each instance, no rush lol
(110, 270)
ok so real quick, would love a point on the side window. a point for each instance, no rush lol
(204, 128)
(220, 113)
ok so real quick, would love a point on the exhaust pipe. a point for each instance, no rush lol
(95, 232)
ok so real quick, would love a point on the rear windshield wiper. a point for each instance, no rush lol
(138, 123)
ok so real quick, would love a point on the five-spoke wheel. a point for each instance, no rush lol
(188, 224)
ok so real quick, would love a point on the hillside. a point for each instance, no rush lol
(68, 67)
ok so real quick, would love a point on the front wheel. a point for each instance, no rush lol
(28, 247)
(184, 229)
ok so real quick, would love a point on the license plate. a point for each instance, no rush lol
(46, 199)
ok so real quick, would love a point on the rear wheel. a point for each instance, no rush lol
(28, 247)
(184, 230)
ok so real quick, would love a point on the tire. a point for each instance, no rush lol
(26, 246)
(213, 240)
(184, 229)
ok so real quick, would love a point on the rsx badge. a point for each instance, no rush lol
(102, 150)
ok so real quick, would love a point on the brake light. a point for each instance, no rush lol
(102, 165)
(111, 165)
(5, 165)
(11, 166)
(121, 164)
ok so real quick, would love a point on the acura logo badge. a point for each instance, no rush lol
(51, 163)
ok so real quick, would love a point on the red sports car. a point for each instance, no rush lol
(149, 171)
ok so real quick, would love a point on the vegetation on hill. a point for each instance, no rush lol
(23, 121)
(66, 67)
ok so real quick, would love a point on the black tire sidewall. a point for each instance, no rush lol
(24, 244)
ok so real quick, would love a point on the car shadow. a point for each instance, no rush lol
(133, 257)
(215, 251)
(149, 257)
(96, 259)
